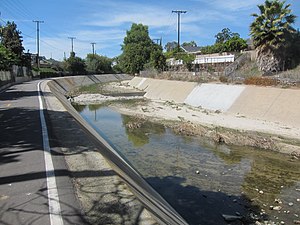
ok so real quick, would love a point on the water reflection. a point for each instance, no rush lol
(229, 180)
(138, 130)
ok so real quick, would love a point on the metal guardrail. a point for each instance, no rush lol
(155, 204)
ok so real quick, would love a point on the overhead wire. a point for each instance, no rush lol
(20, 14)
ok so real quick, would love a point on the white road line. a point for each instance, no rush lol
(53, 198)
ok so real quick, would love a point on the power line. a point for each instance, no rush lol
(178, 26)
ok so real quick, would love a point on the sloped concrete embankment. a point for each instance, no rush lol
(64, 85)
(270, 104)
(176, 91)
(260, 103)
(151, 200)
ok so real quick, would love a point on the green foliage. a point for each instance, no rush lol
(225, 35)
(138, 50)
(48, 72)
(192, 44)
(171, 46)
(235, 44)
(226, 41)
(11, 38)
(173, 53)
(270, 27)
(91, 89)
(293, 50)
(7, 58)
(98, 64)
(272, 32)
(157, 58)
(75, 65)
(116, 67)
(11, 49)
(187, 59)
(134, 57)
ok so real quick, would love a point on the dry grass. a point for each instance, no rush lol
(261, 81)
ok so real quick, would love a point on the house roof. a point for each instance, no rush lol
(191, 49)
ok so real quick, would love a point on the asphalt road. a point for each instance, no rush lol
(23, 184)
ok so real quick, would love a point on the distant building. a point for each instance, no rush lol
(205, 59)
(214, 58)
(192, 50)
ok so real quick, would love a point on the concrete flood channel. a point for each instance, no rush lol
(205, 182)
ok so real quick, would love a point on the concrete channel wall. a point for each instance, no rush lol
(152, 201)
(176, 91)
(262, 103)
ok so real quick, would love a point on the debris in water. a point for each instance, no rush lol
(231, 218)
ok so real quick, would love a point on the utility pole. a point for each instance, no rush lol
(93, 47)
(38, 41)
(72, 43)
(178, 26)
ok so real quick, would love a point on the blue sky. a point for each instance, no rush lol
(105, 22)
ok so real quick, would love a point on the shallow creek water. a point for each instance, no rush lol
(203, 180)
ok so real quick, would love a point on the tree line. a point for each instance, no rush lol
(276, 42)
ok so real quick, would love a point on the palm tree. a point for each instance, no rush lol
(270, 31)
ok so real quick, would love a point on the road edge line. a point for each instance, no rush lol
(53, 198)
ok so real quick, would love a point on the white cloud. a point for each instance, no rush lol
(148, 15)
(105, 22)
(232, 5)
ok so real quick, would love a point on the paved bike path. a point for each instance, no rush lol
(23, 183)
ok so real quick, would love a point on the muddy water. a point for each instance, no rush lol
(202, 180)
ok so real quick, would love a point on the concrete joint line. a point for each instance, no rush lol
(53, 198)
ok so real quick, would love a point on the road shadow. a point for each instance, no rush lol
(15, 93)
(26, 212)
(21, 136)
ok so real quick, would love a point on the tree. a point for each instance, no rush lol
(226, 41)
(170, 46)
(293, 52)
(75, 65)
(187, 59)
(235, 44)
(270, 30)
(157, 58)
(98, 64)
(7, 58)
(11, 39)
(225, 35)
(137, 49)
(192, 44)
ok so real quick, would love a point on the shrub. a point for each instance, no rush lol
(261, 81)
(223, 79)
